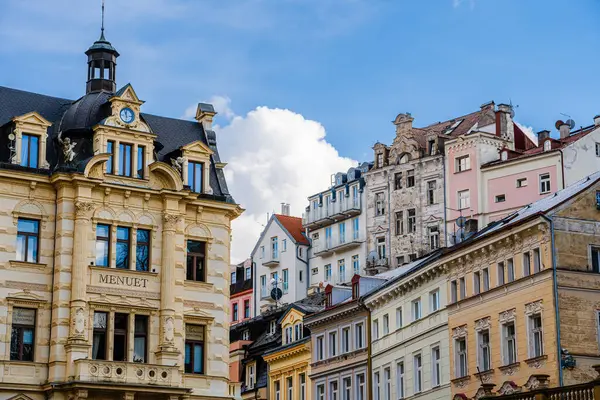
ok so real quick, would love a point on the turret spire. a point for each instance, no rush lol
(102, 62)
(102, 27)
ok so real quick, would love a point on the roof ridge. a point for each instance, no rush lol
(35, 93)
(452, 119)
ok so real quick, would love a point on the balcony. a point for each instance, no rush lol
(378, 265)
(326, 215)
(273, 262)
(126, 373)
(326, 247)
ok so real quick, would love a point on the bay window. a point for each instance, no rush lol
(30, 150)
(195, 176)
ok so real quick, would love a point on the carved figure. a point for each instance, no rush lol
(67, 149)
(177, 163)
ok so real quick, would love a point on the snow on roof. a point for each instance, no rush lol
(406, 268)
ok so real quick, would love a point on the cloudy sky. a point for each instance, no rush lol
(305, 87)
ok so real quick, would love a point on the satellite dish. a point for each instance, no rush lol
(571, 123)
(276, 294)
(461, 221)
(558, 124)
(459, 235)
(512, 113)
(372, 257)
(11, 136)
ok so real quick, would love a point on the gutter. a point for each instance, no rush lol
(562, 167)
(555, 294)
(361, 303)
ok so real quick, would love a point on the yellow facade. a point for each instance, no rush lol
(289, 365)
(504, 306)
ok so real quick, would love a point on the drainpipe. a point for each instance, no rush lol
(368, 395)
(562, 167)
(389, 235)
(556, 308)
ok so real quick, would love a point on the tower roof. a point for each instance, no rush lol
(102, 45)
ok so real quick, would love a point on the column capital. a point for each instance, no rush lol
(83, 209)
(170, 221)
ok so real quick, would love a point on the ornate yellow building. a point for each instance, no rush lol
(114, 247)
(289, 364)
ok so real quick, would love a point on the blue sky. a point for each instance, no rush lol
(349, 65)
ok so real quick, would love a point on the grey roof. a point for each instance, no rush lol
(206, 107)
(102, 45)
(81, 115)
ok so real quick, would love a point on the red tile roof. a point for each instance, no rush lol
(294, 226)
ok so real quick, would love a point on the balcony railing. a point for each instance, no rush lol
(271, 262)
(326, 246)
(382, 262)
(126, 373)
(327, 214)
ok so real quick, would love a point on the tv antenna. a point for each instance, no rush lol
(512, 108)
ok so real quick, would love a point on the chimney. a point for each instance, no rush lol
(564, 130)
(205, 114)
(542, 135)
(403, 124)
(597, 120)
(504, 124)
(487, 106)
(285, 209)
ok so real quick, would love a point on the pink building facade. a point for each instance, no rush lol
(240, 292)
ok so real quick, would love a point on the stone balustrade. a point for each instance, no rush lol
(127, 373)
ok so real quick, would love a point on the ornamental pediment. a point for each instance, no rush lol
(198, 147)
(32, 118)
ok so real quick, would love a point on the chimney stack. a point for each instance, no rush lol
(597, 120)
(205, 114)
(542, 135)
(504, 124)
(564, 130)
(487, 106)
(285, 209)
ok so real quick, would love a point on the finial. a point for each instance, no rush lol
(102, 28)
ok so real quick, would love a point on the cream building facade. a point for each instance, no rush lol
(409, 333)
(114, 248)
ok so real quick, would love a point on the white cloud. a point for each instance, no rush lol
(220, 103)
(273, 156)
(458, 3)
(528, 130)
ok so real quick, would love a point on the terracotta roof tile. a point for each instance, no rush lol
(294, 226)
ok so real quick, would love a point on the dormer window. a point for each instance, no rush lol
(329, 300)
(110, 164)
(141, 161)
(195, 176)
(125, 158)
(404, 159)
(504, 155)
(431, 150)
(355, 291)
(547, 145)
(30, 150)
(273, 327)
(380, 160)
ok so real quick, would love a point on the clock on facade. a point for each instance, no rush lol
(127, 115)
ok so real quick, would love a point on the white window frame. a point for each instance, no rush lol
(346, 343)
(597, 149)
(436, 366)
(320, 391)
(332, 343)
(250, 375)
(387, 383)
(486, 279)
(508, 318)
(289, 382)
(347, 388)
(536, 254)
(521, 182)
(459, 356)
(320, 350)
(483, 326)
(476, 282)
(361, 386)
(464, 199)
(386, 324)
(400, 382)
(418, 373)
(375, 329)
(376, 385)
(417, 312)
(399, 317)
(526, 263)
(277, 389)
(434, 300)
(501, 272)
(334, 391)
(462, 163)
(510, 270)
(544, 180)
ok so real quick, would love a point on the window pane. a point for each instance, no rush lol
(102, 230)
(198, 358)
(122, 233)
(28, 225)
(188, 357)
(195, 247)
(25, 150)
(21, 248)
(140, 161)
(198, 178)
(32, 249)
(141, 257)
(101, 253)
(139, 349)
(109, 164)
(33, 151)
(122, 255)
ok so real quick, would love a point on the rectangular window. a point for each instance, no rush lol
(537, 262)
(342, 270)
(196, 261)
(321, 392)
(298, 331)
(484, 358)
(290, 388)
(526, 264)
(486, 279)
(274, 248)
(277, 390)
(379, 204)
(400, 379)
(380, 160)
(333, 390)
(597, 149)
(328, 237)
(110, 164)
(30, 150)
(418, 369)
(399, 321)
(434, 300)
(251, 376)
(355, 264)
(399, 261)
(346, 340)
(140, 339)
(263, 286)
(595, 254)
(99, 344)
(464, 199)
(398, 180)
(320, 347)
(347, 388)
(142, 250)
(500, 273)
(102, 245)
(454, 291)
(359, 335)
(510, 269)
(536, 336)
(410, 178)
(195, 176)
(375, 329)
(544, 183)
(381, 248)
(462, 163)
(463, 288)
(416, 309)
(431, 147)
(246, 308)
(360, 390)
(302, 387)
(122, 247)
(328, 273)
(332, 344)
(509, 342)
(386, 324)
(141, 161)
(412, 220)
(387, 384)
(436, 369)
(22, 337)
(233, 277)
(431, 192)
(461, 357)
(28, 240)
(376, 386)
(501, 198)
(476, 282)
(262, 252)
(284, 245)
(521, 182)
(248, 273)
(399, 223)
(125, 159)
(194, 349)
(286, 280)
(234, 314)
(355, 230)
(120, 329)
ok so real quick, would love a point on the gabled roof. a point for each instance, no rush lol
(293, 226)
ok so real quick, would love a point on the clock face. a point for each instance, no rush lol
(127, 115)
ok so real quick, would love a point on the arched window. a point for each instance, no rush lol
(404, 158)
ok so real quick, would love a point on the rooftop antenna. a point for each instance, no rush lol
(512, 108)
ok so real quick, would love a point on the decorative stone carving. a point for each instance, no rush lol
(460, 331)
(534, 308)
(510, 370)
(170, 221)
(67, 148)
(484, 391)
(507, 316)
(482, 324)
(83, 208)
(79, 321)
(177, 163)
(509, 387)
(537, 381)
(169, 329)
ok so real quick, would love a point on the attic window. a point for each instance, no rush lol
(355, 291)
(504, 155)
(452, 127)
(404, 158)
(547, 145)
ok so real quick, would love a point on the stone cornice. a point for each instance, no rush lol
(288, 352)
(333, 314)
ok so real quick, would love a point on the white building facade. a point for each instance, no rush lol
(409, 334)
(280, 262)
(335, 221)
